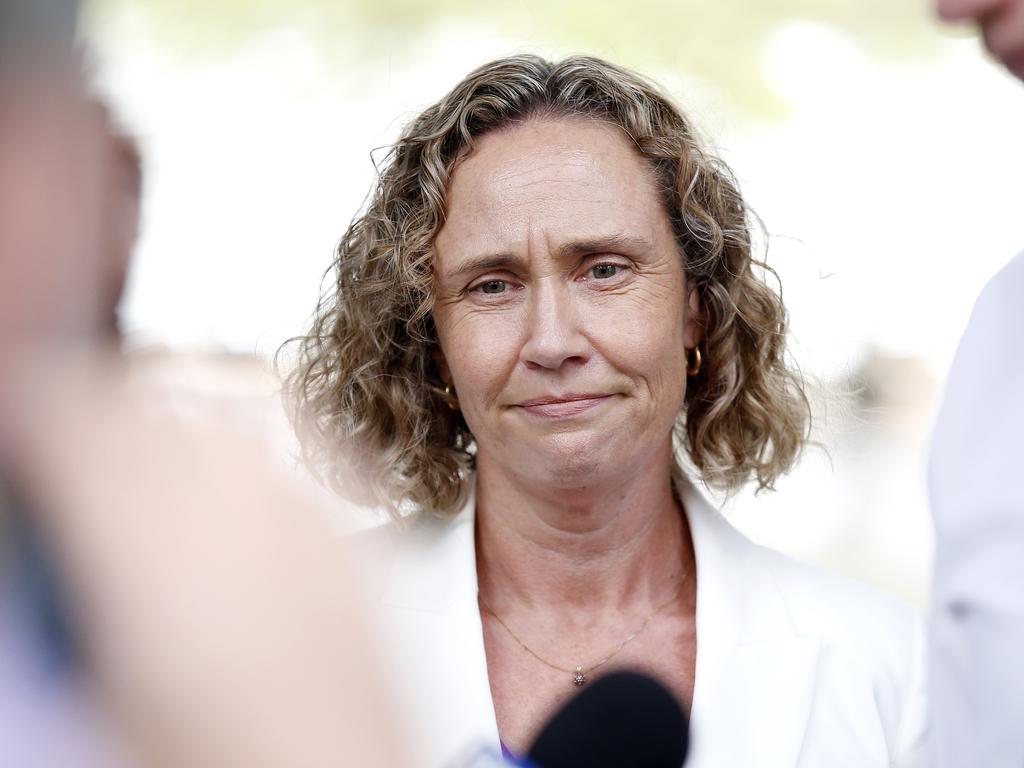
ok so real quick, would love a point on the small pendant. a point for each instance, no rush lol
(579, 678)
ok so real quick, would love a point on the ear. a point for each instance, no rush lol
(442, 364)
(694, 318)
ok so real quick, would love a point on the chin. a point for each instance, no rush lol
(574, 462)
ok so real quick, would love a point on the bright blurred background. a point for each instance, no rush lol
(882, 151)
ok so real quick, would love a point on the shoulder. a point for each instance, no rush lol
(871, 643)
(865, 650)
(814, 600)
(872, 649)
(421, 589)
(866, 626)
(417, 536)
(841, 609)
(423, 561)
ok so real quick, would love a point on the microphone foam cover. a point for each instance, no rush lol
(624, 719)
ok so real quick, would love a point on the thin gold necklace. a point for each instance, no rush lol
(580, 673)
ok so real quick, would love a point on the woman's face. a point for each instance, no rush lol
(562, 310)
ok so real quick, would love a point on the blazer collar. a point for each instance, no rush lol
(435, 564)
(752, 660)
(434, 637)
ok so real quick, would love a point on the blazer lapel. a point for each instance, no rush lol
(752, 662)
(437, 661)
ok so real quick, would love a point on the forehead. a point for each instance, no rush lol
(550, 181)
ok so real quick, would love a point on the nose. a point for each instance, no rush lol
(554, 336)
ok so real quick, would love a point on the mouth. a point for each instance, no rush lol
(562, 406)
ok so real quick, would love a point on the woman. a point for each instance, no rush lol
(549, 297)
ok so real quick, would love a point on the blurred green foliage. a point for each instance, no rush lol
(718, 41)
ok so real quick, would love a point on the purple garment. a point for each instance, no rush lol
(512, 759)
(47, 718)
(46, 721)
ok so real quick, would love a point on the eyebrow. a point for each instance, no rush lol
(615, 242)
(574, 249)
(485, 264)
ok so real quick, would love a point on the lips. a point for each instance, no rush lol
(562, 406)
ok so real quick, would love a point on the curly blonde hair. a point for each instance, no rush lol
(366, 396)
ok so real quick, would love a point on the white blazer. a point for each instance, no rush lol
(974, 479)
(795, 666)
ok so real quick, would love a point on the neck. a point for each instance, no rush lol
(594, 548)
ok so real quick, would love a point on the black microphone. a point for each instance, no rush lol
(625, 720)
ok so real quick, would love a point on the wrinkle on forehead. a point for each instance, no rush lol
(575, 158)
(546, 181)
(521, 164)
(569, 154)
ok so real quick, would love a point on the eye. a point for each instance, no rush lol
(491, 287)
(604, 271)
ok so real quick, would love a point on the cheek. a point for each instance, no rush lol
(481, 351)
(660, 350)
(643, 337)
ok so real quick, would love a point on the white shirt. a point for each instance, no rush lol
(795, 666)
(977, 497)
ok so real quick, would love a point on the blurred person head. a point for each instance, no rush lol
(419, 351)
(1001, 23)
(34, 28)
(70, 185)
(69, 200)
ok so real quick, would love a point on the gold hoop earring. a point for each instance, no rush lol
(693, 362)
(451, 399)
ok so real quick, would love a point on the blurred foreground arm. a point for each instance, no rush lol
(213, 604)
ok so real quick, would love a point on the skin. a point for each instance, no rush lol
(1001, 23)
(178, 546)
(67, 227)
(564, 316)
